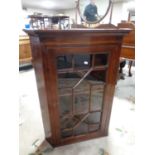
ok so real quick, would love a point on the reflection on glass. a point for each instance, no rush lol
(96, 97)
(94, 117)
(101, 59)
(64, 61)
(82, 60)
(98, 76)
(65, 103)
(81, 89)
(66, 134)
(81, 129)
(81, 103)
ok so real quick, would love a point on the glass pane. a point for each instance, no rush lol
(80, 93)
(82, 61)
(81, 129)
(81, 97)
(94, 120)
(96, 97)
(68, 123)
(64, 61)
(94, 127)
(81, 103)
(101, 59)
(94, 117)
(82, 86)
(65, 104)
(98, 76)
(66, 134)
(67, 80)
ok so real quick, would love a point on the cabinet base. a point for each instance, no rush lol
(76, 139)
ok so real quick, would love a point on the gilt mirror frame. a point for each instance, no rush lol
(97, 21)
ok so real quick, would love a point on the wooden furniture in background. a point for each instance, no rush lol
(75, 87)
(24, 50)
(128, 45)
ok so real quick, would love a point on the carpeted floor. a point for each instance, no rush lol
(121, 131)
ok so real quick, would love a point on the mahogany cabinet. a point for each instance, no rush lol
(76, 72)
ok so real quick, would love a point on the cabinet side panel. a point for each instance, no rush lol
(108, 100)
(110, 87)
(50, 74)
(114, 65)
(37, 62)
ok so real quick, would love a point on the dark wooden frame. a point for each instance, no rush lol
(46, 45)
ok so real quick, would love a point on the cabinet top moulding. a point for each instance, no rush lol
(78, 31)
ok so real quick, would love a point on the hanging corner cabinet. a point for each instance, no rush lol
(76, 73)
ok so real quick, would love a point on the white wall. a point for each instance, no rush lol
(120, 12)
(71, 13)
(24, 13)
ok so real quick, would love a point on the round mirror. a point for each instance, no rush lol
(93, 11)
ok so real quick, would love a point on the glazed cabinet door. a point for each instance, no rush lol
(78, 79)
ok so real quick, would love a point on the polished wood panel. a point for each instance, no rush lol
(46, 46)
(128, 45)
(24, 50)
(128, 52)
